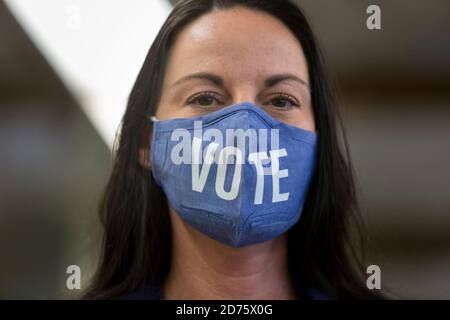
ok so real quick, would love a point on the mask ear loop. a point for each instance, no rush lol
(152, 118)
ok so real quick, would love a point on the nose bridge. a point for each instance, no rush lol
(245, 92)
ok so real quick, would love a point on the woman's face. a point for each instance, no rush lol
(232, 56)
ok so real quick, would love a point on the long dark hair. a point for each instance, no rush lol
(322, 251)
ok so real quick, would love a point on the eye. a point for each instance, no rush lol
(203, 99)
(284, 101)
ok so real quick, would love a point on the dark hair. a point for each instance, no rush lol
(322, 253)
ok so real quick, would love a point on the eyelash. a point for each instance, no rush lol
(192, 99)
(290, 98)
(211, 94)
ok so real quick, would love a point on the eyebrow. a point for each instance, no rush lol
(218, 81)
(273, 80)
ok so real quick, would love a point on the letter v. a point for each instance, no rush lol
(199, 178)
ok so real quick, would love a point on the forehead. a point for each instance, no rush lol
(237, 42)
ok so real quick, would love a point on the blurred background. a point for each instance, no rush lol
(67, 67)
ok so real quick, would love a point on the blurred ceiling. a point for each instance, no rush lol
(25, 74)
(411, 51)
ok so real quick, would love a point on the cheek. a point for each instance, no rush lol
(166, 111)
(307, 118)
(309, 122)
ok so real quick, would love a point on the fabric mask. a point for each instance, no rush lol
(237, 175)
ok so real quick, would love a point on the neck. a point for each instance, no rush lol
(203, 268)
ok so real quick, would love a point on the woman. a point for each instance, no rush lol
(175, 230)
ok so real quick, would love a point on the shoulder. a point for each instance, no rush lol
(314, 294)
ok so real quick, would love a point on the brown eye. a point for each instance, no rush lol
(284, 101)
(204, 99)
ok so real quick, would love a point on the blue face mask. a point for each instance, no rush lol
(237, 175)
